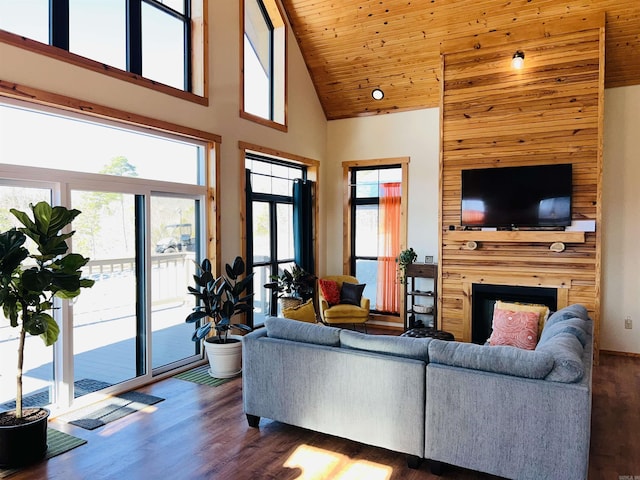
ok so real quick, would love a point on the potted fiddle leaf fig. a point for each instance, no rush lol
(28, 284)
(219, 300)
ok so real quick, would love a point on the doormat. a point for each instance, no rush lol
(58, 443)
(111, 409)
(40, 398)
(201, 375)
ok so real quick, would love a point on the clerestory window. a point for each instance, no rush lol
(150, 38)
(263, 60)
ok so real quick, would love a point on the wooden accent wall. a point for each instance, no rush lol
(549, 112)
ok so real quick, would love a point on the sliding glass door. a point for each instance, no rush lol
(38, 363)
(105, 324)
(141, 197)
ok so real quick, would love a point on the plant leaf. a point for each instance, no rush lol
(50, 335)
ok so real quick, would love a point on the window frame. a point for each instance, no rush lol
(273, 200)
(312, 173)
(270, 9)
(349, 205)
(195, 44)
(41, 176)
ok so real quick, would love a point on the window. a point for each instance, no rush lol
(150, 38)
(141, 225)
(270, 225)
(264, 57)
(375, 236)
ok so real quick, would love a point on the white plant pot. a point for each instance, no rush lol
(225, 359)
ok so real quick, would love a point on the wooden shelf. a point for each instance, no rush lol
(517, 236)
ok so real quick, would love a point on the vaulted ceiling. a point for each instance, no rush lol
(353, 46)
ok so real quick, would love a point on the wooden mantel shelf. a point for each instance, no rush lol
(522, 236)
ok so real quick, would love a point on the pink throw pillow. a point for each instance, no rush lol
(330, 291)
(518, 329)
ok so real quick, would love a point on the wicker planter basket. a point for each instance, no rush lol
(288, 302)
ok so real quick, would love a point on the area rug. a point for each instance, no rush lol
(201, 375)
(41, 397)
(58, 443)
(111, 409)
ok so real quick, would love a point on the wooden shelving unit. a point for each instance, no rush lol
(413, 295)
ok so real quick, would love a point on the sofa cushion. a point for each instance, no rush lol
(408, 347)
(571, 311)
(567, 352)
(501, 359)
(575, 326)
(330, 291)
(515, 328)
(302, 332)
(351, 293)
(303, 312)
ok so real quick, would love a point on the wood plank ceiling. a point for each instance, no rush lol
(353, 46)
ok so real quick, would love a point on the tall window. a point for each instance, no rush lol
(142, 223)
(270, 225)
(151, 38)
(375, 232)
(264, 56)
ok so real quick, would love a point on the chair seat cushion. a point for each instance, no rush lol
(345, 311)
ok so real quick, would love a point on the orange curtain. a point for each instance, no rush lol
(388, 246)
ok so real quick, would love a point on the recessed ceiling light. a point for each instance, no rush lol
(377, 94)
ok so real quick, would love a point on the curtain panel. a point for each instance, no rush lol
(388, 246)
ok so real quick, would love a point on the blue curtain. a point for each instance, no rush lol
(303, 224)
(249, 244)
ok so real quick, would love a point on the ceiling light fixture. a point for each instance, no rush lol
(518, 60)
(377, 94)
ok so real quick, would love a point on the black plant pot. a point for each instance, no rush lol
(26, 443)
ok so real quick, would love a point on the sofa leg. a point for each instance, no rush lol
(436, 467)
(254, 421)
(413, 462)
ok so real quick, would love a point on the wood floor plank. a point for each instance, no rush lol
(200, 432)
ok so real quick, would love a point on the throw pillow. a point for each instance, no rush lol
(518, 329)
(541, 310)
(351, 293)
(304, 312)
(330, 291)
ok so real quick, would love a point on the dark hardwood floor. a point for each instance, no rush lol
(200, 432)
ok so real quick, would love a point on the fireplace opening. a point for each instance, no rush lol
(484, 298)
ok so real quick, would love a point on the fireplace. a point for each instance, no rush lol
(484, 297)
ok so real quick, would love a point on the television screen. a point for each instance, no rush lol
(532, 196)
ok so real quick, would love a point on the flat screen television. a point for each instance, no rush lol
(531, 196)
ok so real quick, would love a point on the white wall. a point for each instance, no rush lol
(307, 123)
(621, 220)
(413, 134)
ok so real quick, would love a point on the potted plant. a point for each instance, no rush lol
(28, 284)
(219, 299)
(406, 257)
(293, 287)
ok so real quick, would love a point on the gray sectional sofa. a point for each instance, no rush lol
(500, 410)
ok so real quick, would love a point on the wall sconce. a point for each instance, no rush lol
(377, 94)
(518, 60)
